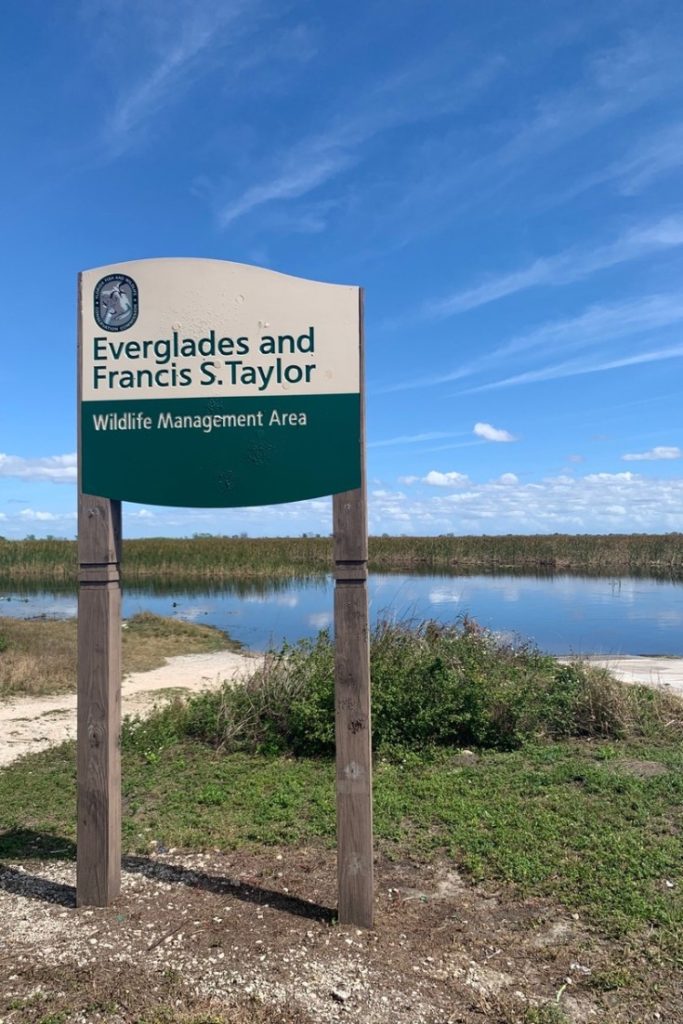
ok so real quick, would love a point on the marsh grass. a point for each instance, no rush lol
(214, 558)
(38, 656)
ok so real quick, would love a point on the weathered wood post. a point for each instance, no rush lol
(352, 693)
(98, 876)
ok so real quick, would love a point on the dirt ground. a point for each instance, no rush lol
(253, 937)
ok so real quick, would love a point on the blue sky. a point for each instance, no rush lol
(503, 179)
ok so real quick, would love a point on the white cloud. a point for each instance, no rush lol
(31, 515)
(655, 454)
(490, 433)
(436, 479)
(60, 469)
(600, 478)
(448, 502)
(408, 480)
(320, 620)
(388, 495)
(598, 502)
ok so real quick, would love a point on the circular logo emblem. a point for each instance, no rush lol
(116, 302)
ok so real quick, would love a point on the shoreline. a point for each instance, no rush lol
(661, 672)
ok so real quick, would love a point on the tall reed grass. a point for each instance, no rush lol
(214, 558)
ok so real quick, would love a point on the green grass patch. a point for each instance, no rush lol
(566, 820)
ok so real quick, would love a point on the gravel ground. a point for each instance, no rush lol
(253, 935)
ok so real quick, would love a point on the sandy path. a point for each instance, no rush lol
(28, 724)
(665, 673)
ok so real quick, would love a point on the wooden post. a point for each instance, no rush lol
(99, 702)
(98, 877)
(352, 694)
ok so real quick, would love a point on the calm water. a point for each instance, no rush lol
(561, 614)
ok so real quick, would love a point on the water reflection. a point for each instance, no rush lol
(561, 613)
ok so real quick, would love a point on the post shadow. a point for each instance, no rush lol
(23, 843)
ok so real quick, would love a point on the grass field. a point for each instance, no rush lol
(213, 558)
(582, 823)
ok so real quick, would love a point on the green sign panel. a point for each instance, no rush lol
(212, 384)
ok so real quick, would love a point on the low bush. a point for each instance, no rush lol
(432, 686)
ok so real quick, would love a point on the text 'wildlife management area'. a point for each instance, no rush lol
(207, 422)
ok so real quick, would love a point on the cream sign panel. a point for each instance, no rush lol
(206, 329)
(217, 384)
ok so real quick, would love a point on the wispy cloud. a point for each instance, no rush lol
(615, 82)
(565, 267)
(415, 95)
(324, 160)
(434, 435)
(638, 71)
(577, 368)
(489, 433)
(59, 469)
(450, 447)
(599, 323)
(653, 157)
(422, 382)
(655, 454)
(177, 54)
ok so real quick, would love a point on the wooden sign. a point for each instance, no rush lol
(211, 384)
(207, 383)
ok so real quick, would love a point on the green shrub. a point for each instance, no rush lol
(432, 686)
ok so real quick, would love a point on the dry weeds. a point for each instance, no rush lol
(38, 656)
